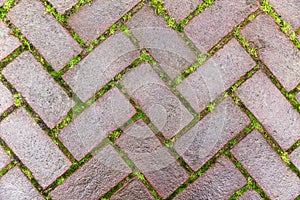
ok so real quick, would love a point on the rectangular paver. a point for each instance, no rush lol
(95, 178)
(163, 108)
(63, 5)
(162, 170)
(250, 195)
(39, 88)
(207, 137)
(295, 157)
(8, 43)
(4, 159)
(95, 123)
(34, 148)
(271, 108)
(6, 98)
(219, 182)
(44, 32)
(266, 167)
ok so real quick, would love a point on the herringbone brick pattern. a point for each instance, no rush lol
(146, 99)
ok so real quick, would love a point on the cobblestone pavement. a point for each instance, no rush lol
(133, 99)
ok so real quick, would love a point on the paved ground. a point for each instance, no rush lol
(131, 99)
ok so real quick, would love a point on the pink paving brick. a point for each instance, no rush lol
(207, 137)
(8, 43)
(133, 191)
(94, 19)
(250, 195)
(101, 65)
(2, 2)
(295, 157)
(90, 128)
(44, 32)
(215, 22)
(95, 178)
(39, 88)
(162, 107)
(6, 98)
(266, 167)
(34, 148)
(162, 171)
(271, 108)
(219, 182)
(297, 97)
(215, 76)
(180, 9)
(14, 185)
(164, 44)
(63, 5)
(4, 159)
(275, 49)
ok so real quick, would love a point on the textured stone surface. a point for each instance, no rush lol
(8, 43)
(219, 182)
(250, 195)
(266, 167)
(95, 178)
(164, 44)
(100, 66)
(4, 159)
(162, 107)
(216, 75)
(295, 157)
(133, 191)
(92, 20)
(2, 2)
(39, 88)
(271, 108)
(44, 32)
(213, 23)
(207, 137)
(14, 185)
(6, 98)
(162, 171)
(34, 148)
(96, 122)
(275, 49)
(63, 5)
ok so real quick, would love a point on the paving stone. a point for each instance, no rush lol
(162, 107)
(63, 6)
(6, 98)
(34, 148)
(219, 182)
(8, 43)
(14, 185)
(298, 97)
(271, 108)
(95, 123)
(250, 195)
(2, 2)
(93, 20)
(4, 159)
(164, 44)
(105, 170)
(266, 167)
(180, 9)
(215, 22)
(207, 137)
(275, 49)
(101, 65)
(295, 157)
(39, 88)
(133, 191)
(215, 76)
(288, 10)
(162, 171)
(54, 42)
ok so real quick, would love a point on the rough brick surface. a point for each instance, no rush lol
(266, 167)
(271, 108)
(14, 185)
(2, 2)
(8, 43)
(44, 32)
(250, 195)
(207, 137)
(162, 107)
(295, 157)
(4, 159)
(92, 20)
(95, 178)
(100, 66)
(216, 75)
(133, 191)
(154, 160)
(219, 182)
(275, 49)
(63, 5)
(34, 148)
(215, 22)
(38, 87)
(96, 122)
(6, 98)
